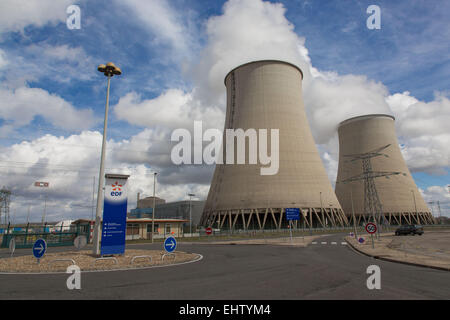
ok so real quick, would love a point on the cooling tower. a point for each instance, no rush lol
(268, 95)
(401, 201)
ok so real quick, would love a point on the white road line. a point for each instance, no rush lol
(323, 243)
(343, 243)
(334, 243)
(314, 242)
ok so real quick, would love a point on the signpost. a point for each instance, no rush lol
(114, 215)
(39, 248)
(371, 228)
(292, 214)
(43, 185)
(208, 231)
(170, 244)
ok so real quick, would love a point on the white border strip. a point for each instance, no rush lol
(200, 257)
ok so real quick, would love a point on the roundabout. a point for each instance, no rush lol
(59, 261)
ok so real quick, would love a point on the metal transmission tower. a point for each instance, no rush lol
(372, 204)
(5, 197)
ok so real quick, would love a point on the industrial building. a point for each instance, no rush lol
(373, 176)
(268, 95)
(184, 209)
(138, 229)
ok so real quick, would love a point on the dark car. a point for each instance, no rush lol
(409, 229)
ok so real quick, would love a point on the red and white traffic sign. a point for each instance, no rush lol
(208, 230)
(371, 228)
(41, 184)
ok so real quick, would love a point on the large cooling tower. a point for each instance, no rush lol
(401, 201)
(268, 95)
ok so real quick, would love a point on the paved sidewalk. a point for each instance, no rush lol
(432, 249)
(285, 241)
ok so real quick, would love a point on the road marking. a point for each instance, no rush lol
(343, 243)
(323, 243)
(334, 243)
(314, 242)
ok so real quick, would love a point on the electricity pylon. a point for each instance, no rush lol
(372, 204)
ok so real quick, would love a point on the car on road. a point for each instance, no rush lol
(409, 229)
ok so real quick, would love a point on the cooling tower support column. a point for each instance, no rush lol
(266, 95)
(380, 188)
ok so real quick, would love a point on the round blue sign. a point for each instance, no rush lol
(39, 248)
(361, 240)
(170, 244)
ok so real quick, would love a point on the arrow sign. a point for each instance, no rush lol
(170, 244)
(39, 248)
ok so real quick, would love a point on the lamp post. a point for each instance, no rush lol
(154, 204)
(190, 212)
(414, 197)
(109, 71)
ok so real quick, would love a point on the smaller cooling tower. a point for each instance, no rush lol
(401, 201)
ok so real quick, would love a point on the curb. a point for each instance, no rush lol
(397, 261)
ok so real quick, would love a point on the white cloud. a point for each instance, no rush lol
(172, 109)
(15, 15)
(22, 105)
(60, 63)
(3, 60)
(433, 194)
(70, 164)
(331, 99)
(424, 130)
(166, 23)
(246, 31)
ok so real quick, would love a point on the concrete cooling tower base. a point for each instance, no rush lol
(273, 218)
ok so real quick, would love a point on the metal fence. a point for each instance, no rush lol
(26, 236)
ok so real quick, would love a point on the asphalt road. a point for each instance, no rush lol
(320, 271)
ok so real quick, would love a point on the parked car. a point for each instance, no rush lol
(409, 229)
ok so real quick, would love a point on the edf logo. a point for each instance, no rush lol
(116, 189)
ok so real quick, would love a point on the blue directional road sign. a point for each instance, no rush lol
(170, 244)
(39, 248)
(292, 213)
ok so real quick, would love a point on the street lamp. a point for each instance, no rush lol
(154, 204)
(109, 71)
(190, 212)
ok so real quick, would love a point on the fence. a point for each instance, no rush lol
(25, 237)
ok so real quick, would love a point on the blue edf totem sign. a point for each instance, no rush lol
(114, 214)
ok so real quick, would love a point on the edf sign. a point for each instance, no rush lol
(114, 214)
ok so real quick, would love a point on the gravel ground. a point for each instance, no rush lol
(86, 261)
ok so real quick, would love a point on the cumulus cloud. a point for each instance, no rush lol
(22, 105)
(246, 31)
(70, 165)
(434, 194)
(15, 15)
(172, 109)
(166, 24)
(3, 60)
(39, 61)
(423, 129)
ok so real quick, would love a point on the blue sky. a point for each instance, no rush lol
(165, 45)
